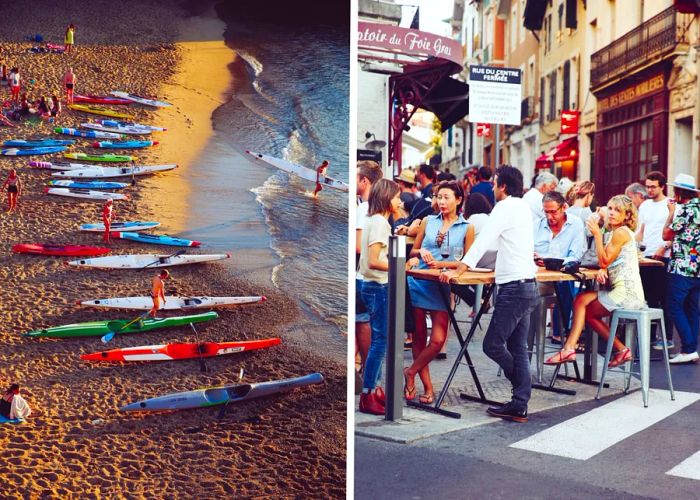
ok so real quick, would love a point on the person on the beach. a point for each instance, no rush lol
(107, 214)
(320, 170)
(70, 38)
(15, 80)
(55, 106)
(69, 80)
(12, 405)
(43, 106)
(13, 184)
(158, 291)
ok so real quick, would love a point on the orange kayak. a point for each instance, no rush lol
(169, 352)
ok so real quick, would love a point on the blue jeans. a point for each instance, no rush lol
(376, 297)
(683, 297)
(506, 338)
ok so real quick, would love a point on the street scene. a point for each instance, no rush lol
(527, 234)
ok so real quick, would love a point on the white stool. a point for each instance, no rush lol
(641, 320)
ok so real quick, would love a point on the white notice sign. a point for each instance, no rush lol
(494, 95)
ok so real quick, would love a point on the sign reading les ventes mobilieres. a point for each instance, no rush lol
(495, 95)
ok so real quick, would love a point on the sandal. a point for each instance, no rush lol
(620, 358)
(562, 357)
(427, 399)
(409, 393)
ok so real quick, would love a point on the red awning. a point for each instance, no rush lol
(565, 150)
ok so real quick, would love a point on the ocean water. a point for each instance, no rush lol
(290, 100)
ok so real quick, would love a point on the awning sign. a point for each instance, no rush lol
(483, 130)
(494, 95)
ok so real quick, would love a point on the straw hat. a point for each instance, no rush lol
(685, 181)
(407, 176)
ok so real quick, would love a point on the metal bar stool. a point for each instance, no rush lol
(638, 321)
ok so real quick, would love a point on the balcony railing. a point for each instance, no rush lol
(657, 37)
(527, 108)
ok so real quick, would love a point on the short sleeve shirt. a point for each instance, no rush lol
(685, 252)
(376, 230)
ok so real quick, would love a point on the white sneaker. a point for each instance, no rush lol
(679, 358)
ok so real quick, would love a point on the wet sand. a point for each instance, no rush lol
(284, 446)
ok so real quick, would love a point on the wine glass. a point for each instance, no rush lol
(445, 247)
(458, 253)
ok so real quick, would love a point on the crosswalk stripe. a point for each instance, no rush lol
(689, 468)
(586, 435)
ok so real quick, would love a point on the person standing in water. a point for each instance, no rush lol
(13, 184)
(320, 171)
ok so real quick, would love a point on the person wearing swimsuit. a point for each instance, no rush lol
(69, 83)
(13, 184)
(320, 170)
(107, 214)
(158, 291)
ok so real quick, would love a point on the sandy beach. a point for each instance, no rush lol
(76, 443)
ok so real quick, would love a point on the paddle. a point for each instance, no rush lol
(202, 365)
(179, 252)
(106, 338)
(222, 411)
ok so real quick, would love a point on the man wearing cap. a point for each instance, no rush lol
(107, 213)
(158, 291)
(682, 228)
(409, 192)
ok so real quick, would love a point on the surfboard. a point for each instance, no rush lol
(302, 172)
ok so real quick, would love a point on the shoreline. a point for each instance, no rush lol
(76, 442)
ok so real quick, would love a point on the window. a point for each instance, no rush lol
(523, 31)
(565, 85)
(514, 28)
(549, 33)
(542, 94)
(531, 77)
(560, 17)
(553, 96)
(545, 30)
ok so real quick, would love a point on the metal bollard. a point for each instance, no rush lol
(394, 352)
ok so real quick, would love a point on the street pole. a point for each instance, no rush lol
(498, 148)
(394, 354)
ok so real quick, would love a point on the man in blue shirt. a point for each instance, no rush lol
(485, 186)
(562, 237)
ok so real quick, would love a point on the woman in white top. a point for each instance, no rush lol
(383, 202)
(579, 198)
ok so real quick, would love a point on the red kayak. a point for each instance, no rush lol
(100, 99)
(60, 250)
(169, 352)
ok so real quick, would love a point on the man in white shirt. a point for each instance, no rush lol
(510, 227)
(368, 172)
(652, 217)
(544, 183)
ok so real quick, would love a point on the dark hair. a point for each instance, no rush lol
(512, 179)
(444, 176)
(477, 203)
(165, 273)
(369, 170)
(455, 188)
(555, 196)
(380, 196)
(655, 175)
(685, 194)
(427, 171)
(14, 388)
(484, 173)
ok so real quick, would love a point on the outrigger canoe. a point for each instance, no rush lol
(141, 261)
(303, 172)
(105, 157)
(92, 134)
(60, 250)
(98, 227)
(124, 144)
(101, 328)
(98, 110)
(100, 172)
(171, 352)
(226, 394)
(155, 239)
(172, 302)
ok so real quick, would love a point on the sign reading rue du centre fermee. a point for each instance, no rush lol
(385, 37)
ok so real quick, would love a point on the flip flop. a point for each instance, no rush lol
(561, 358)
(408, 394)
(427, 399)
(620, 358)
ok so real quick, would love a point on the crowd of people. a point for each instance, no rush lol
(488, 219)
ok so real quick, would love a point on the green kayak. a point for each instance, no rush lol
(100, 328)
(105, 157)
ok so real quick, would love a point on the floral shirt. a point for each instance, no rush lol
(685, 252)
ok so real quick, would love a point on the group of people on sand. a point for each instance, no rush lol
(552, 219)
(12, 405)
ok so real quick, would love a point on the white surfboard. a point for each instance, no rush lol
(87, 194)
(172, 302)
(303, 172)
(139, 99)
(61, 165)
(98, 227)
(110, 172)
(140, 261)
(117, 129)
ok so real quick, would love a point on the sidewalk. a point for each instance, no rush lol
(419, 424)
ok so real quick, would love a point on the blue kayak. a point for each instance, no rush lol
(89, 185)
(19, 143)
(155, 239)
(124, 144)
(5, 420)
(33, 151)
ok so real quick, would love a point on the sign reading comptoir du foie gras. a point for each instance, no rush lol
(494, 95)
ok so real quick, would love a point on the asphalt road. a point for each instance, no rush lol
(479, 462)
